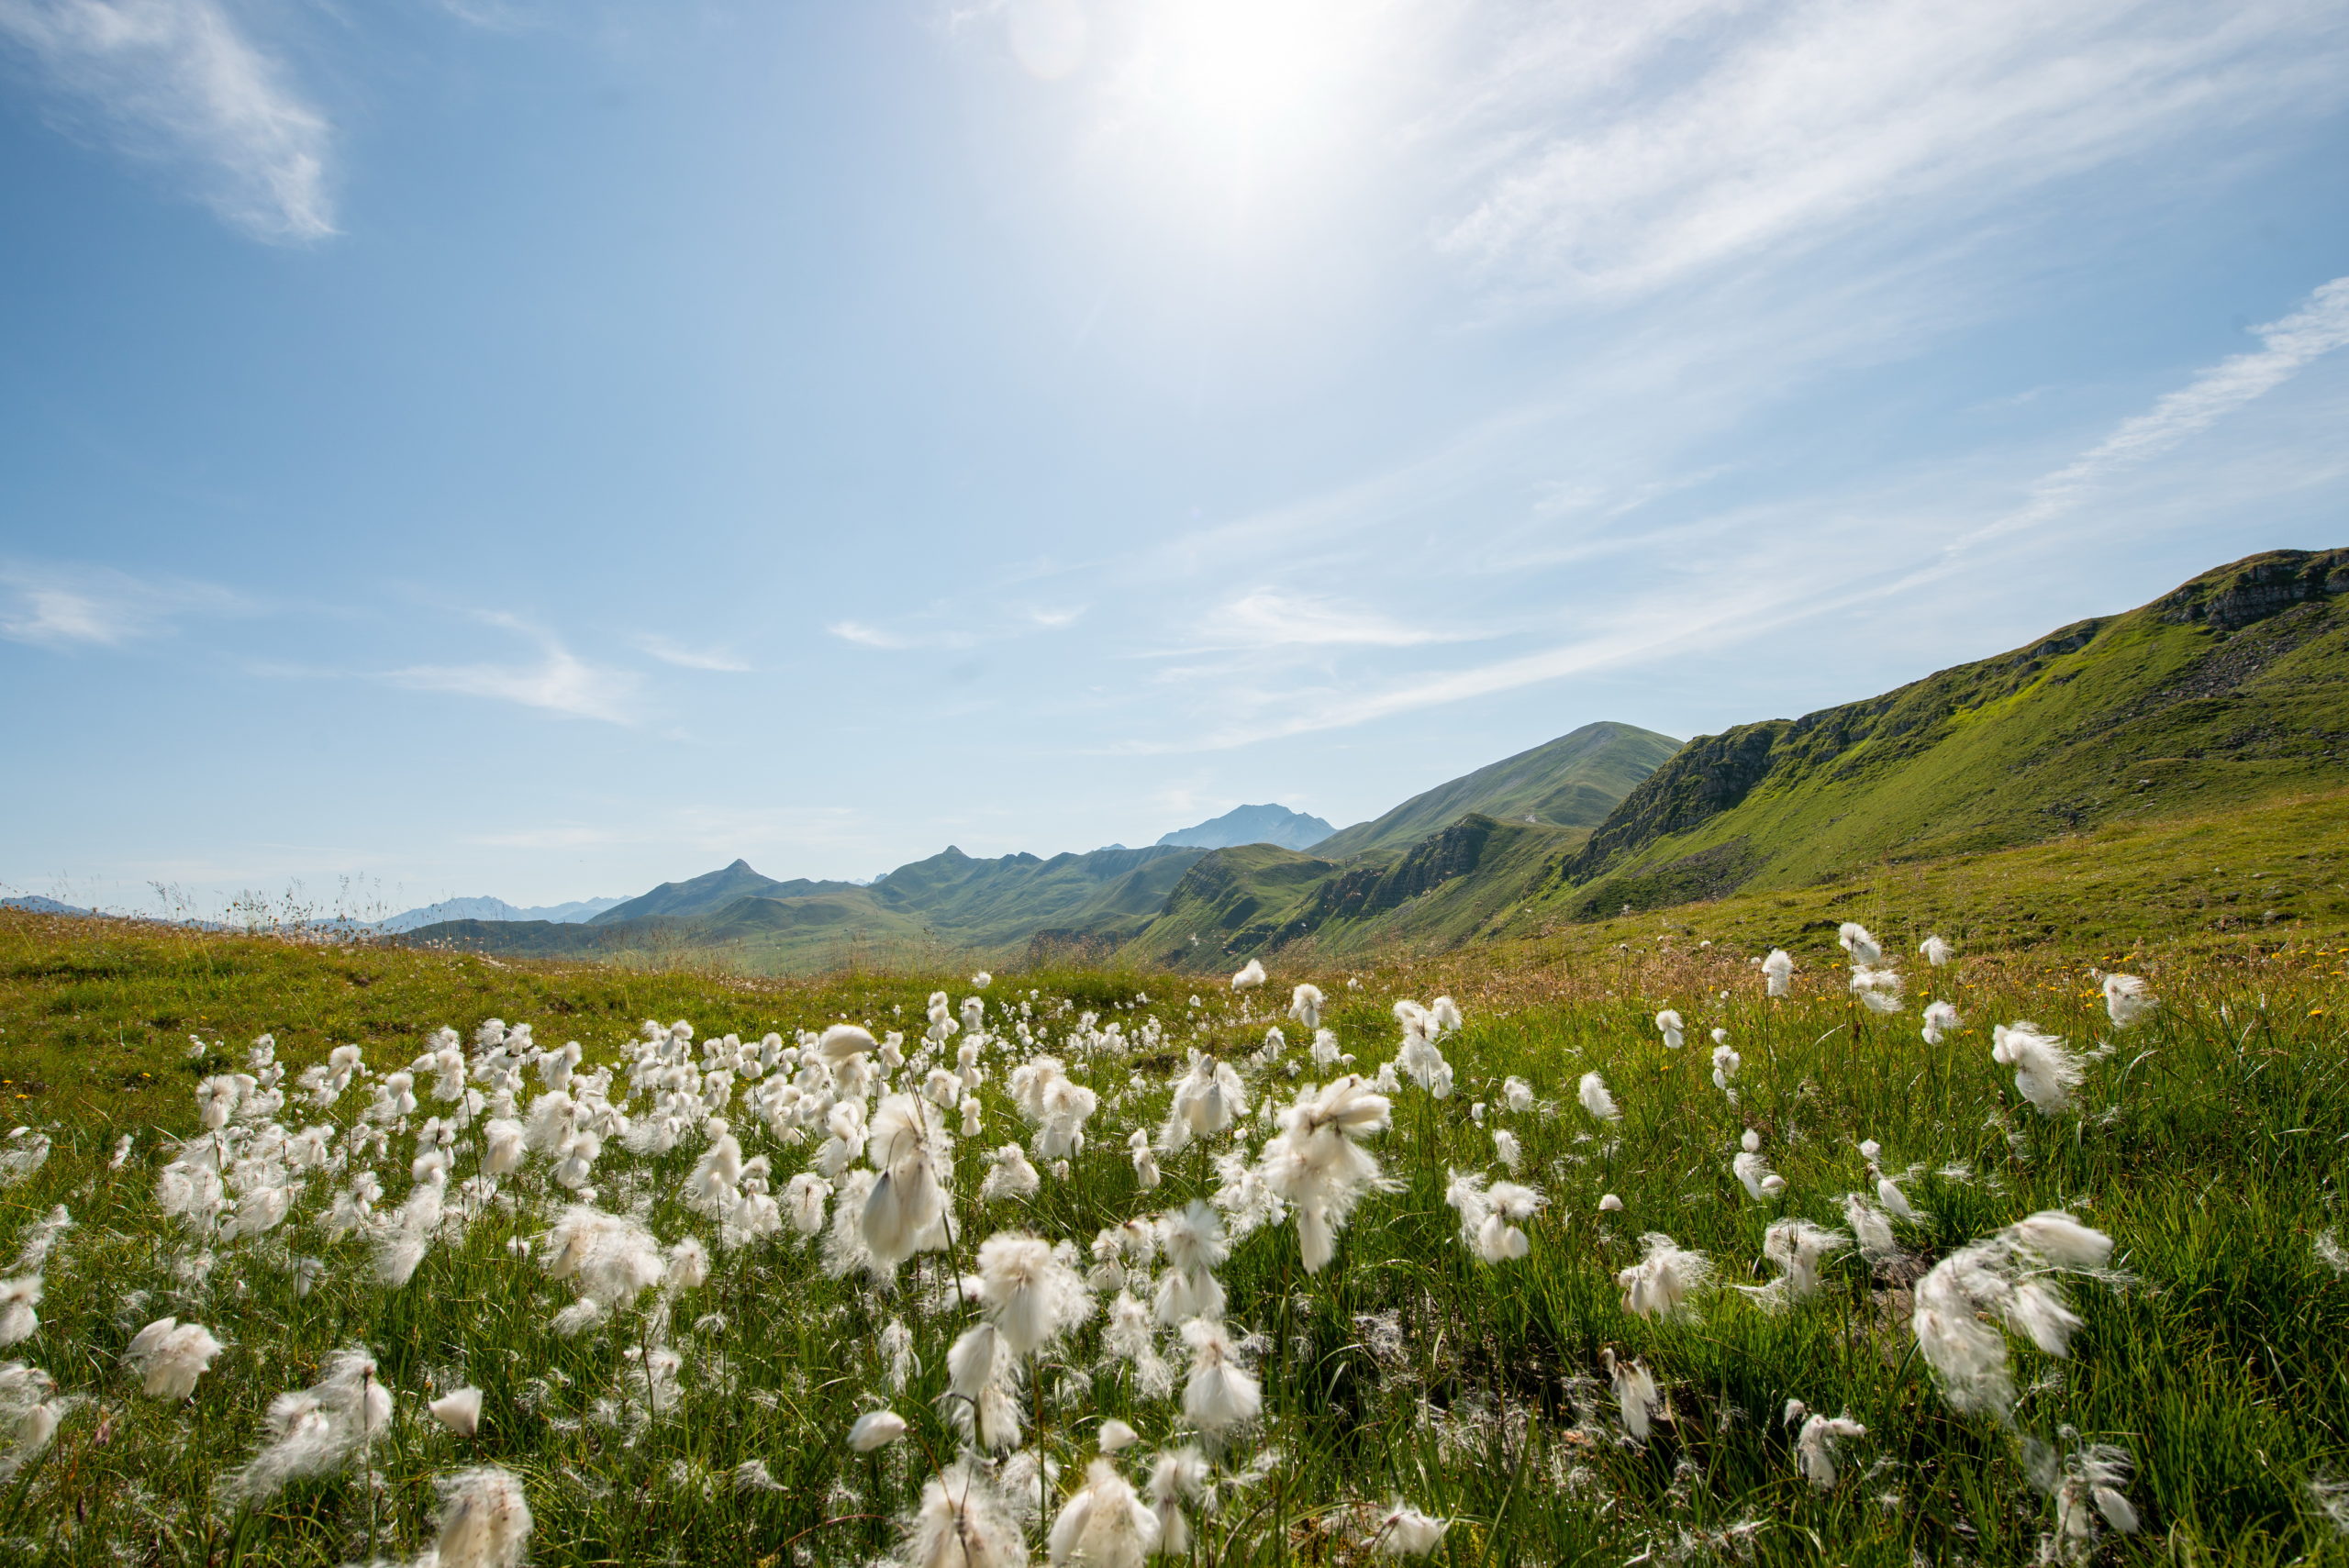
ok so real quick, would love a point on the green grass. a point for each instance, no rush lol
(2210, 1146)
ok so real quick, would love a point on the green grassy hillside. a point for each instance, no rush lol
(1258, 901)
(2271, 873)
(1572, 781)
(703, 895)
(2233, 689)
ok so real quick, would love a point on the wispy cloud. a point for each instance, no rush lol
(175, 82)
(494, 15)
(60, 618)
(89, 607)
(1676, 621)
(959, 625)
(2287, 347)
(669, 652)
(558, 682)
(866, 636)
(1632, 147)
(1268, 618)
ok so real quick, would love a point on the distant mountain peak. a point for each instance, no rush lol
(1251, 825)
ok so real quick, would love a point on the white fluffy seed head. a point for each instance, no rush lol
(459, 1411)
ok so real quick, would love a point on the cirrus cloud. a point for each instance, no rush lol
(177, 82)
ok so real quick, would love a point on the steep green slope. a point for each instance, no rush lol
(1257, 900)
(2231, 690)
(714, 891)
(1572, 781)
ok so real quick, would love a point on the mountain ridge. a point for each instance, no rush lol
(1573, 781)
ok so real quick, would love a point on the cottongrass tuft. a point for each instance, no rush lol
(961, 1521)
(1105, 1525)
(484, 1520)
(1637, 1399)
(170, 1355)
(876, 1429)
(1221, 1392)
(2127, 999)
(18, 1296)
(1663, 1279)
(318, 1429)
(1251, 975)
(1030, 1291)
(1592, 1092)
(1403, 1531)
(1815, 1446)
(1798, 1248)
(2046, 1070)
(1865, 950)
(1177, 1476)
(2085, 1483)
(1316, 1165)
(30, 1411)
(2009, 1279)
(459, 1411)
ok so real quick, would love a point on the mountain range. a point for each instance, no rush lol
(2231, 691)
(493, 909)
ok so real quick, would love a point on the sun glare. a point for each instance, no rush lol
(1253, 85)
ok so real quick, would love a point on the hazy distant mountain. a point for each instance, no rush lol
(39, 906)
(1251, 825)
(495, 909)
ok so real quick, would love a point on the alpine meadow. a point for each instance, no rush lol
(1173, 784)
(1980, 1202)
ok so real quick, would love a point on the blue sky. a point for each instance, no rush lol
(538, 449)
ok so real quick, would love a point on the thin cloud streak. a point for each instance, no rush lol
(2319, 328)
(1812, 122)
(1663, 627)
(560, 682)
(1267, 617)
(175, 82)
(66, 607)
(683, 658)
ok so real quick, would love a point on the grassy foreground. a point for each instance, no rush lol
(2209, 1143)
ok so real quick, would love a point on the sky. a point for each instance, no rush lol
(546, 448)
